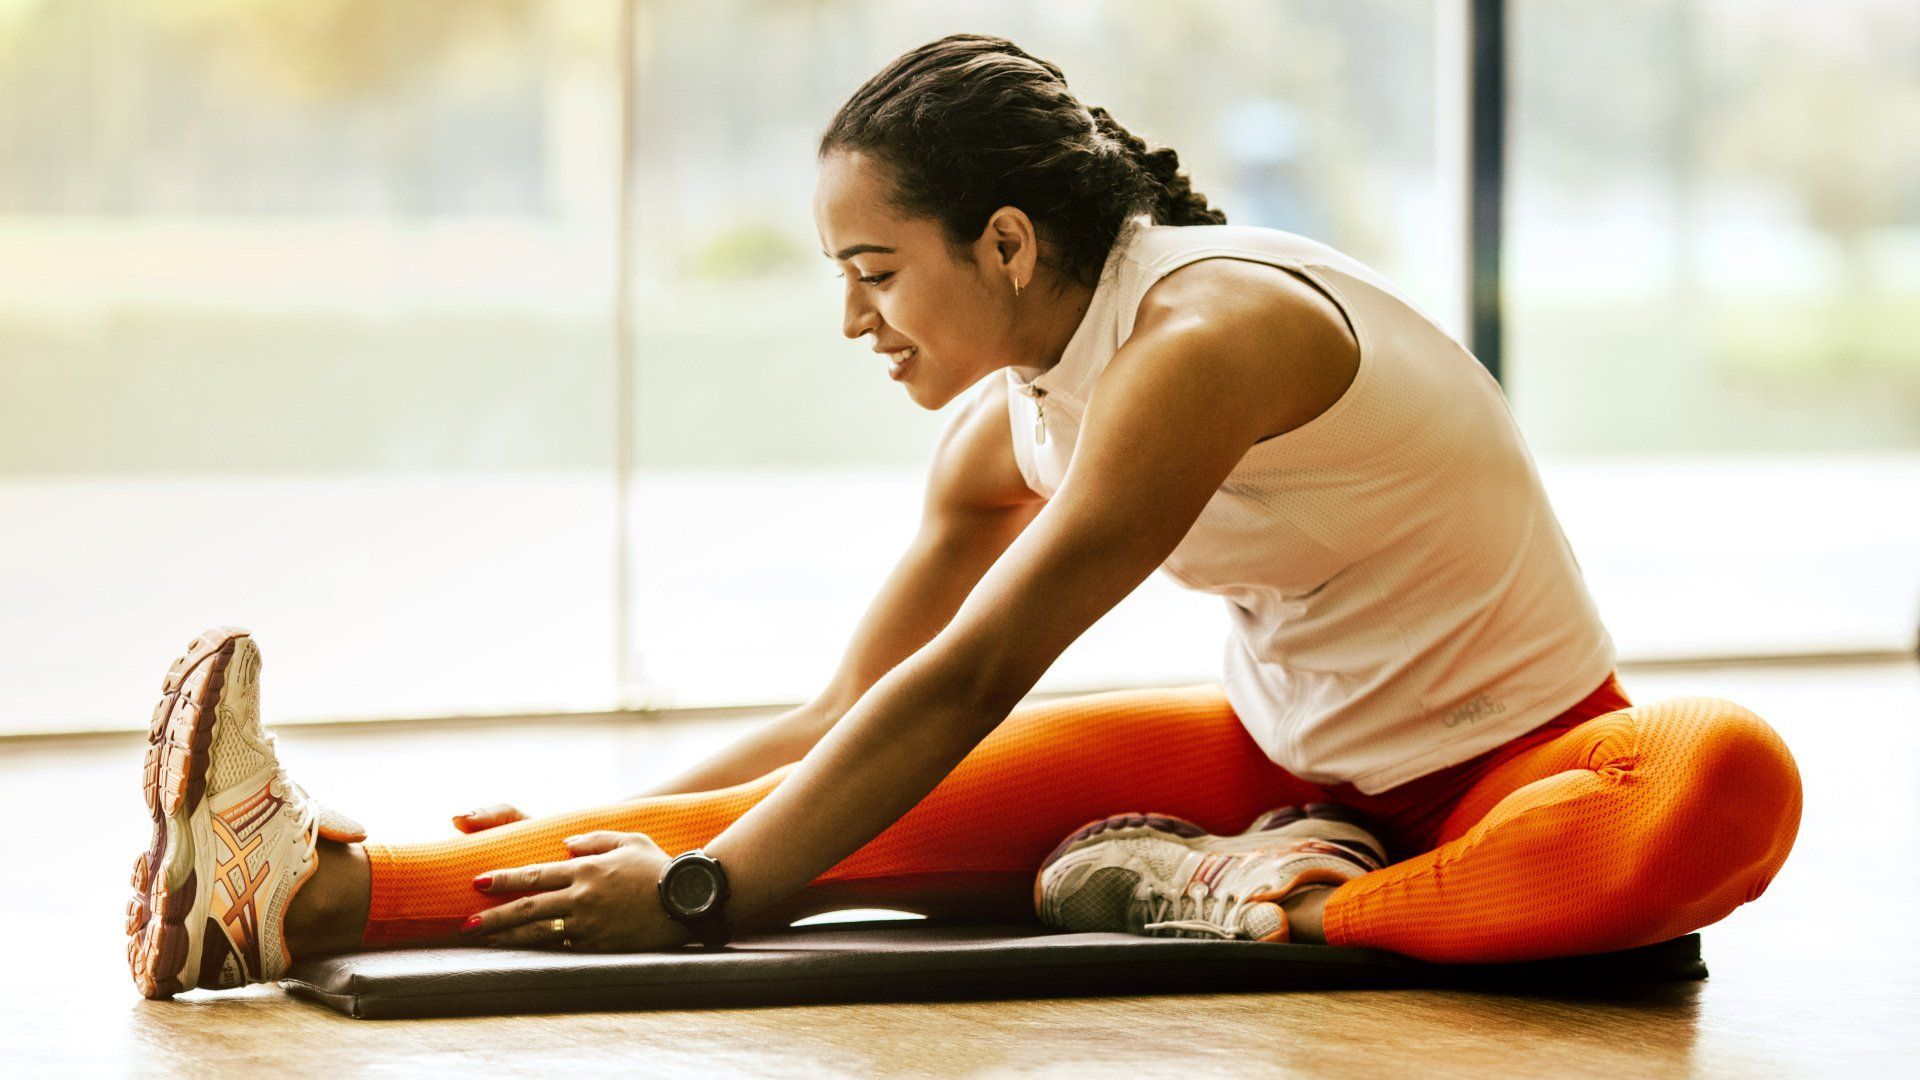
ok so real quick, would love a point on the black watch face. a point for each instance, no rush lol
(692, 888)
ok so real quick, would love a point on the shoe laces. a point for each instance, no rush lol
(1196, 909)
(285, 787)
(281, 783)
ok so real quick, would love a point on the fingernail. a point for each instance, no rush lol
(483, 882)
(472, 924)
(570, 841)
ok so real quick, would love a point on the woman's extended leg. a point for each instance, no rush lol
(1632, 828)
(970, 847)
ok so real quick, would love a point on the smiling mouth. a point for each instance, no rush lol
(898, 361)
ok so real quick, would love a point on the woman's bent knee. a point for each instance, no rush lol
(1732, 797)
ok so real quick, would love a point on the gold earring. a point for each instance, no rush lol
(1016, 288)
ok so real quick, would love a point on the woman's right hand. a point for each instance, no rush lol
(474, 821)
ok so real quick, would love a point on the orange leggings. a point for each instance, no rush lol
(1610, 826)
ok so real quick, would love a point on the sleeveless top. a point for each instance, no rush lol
(1401, 596)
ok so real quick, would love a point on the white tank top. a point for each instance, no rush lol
(1401, 595)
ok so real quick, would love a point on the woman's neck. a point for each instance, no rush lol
(1055, 325)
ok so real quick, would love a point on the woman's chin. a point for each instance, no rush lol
(921, 395)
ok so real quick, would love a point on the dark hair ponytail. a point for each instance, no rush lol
(970, 123)
(1174, 200)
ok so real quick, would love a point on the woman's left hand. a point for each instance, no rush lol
(606, 893)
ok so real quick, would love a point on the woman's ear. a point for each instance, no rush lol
(1010, 244)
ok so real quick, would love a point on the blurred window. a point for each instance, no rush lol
(1714, 313)
(304, 326)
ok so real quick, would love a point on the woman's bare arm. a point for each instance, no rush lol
(976, 504)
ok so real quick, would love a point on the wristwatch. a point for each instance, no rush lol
(693, 889)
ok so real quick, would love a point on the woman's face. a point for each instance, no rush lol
(905, 286)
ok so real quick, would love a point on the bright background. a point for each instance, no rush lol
(311, 321)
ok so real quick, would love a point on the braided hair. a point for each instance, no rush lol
(970, 123)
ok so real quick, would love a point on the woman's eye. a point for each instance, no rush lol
(875, 279)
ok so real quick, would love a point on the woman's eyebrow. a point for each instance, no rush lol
(859, 249)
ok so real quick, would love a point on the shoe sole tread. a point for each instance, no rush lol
(174, 781)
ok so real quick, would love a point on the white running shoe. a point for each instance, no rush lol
(233, 838)
(1164, 876)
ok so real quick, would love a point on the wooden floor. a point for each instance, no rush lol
(1819, 977)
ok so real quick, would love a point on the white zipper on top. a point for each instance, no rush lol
(1037, 393)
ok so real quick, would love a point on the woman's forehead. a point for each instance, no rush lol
(852, 212)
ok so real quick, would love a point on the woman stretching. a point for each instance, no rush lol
(1418, 743)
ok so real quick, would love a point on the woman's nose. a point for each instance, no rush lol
(857, 319)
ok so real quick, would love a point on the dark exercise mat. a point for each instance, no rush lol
(914, 961)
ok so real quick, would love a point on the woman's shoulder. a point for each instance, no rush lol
(1286, 340)
(1260, 297)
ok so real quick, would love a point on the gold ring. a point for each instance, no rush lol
(559, 928)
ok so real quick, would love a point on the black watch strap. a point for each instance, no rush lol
(711, 931)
